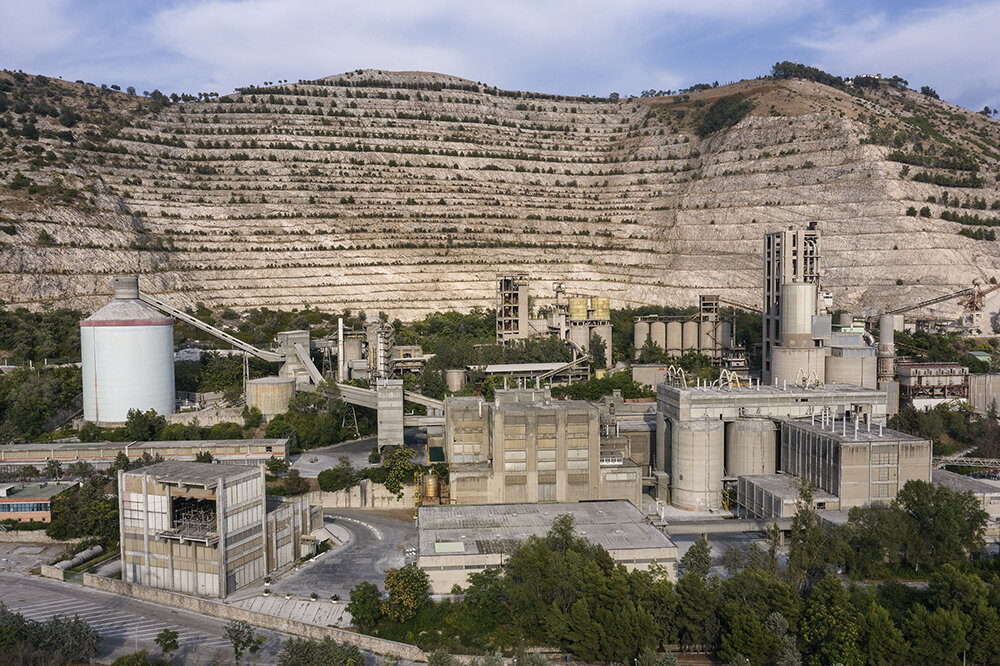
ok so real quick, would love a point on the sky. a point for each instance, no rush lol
(573, 47)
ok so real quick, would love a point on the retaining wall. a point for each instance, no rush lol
(365, 495)
(33, 536)
(224, 612)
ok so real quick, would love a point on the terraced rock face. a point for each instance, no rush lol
(408, 192)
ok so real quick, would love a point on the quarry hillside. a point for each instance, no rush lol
(407, 192)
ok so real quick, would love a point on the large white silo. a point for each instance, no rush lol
(128, 358)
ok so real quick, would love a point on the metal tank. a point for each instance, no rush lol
(689, 335)
(798, 305)
(578, 308)
(674, 338)
(697, 448)
(432, 486)
(602, 308)
(639, 335)
(454, 379)
(127, 349)
(270, 395)
(751, 447)
(658, 331)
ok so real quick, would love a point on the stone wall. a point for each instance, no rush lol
(365, 495)
(223, 612)
(33, 536)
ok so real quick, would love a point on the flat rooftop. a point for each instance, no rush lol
(500, 368)
(961, 483)
(200, 444)
(16, 491)
(193, 473)
(786, 486)
(493, 528)
(863, 435)
(772, 391)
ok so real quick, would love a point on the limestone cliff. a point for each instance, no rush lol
(407, 192)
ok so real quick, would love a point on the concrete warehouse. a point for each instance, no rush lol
(455, 541)
(207, 529)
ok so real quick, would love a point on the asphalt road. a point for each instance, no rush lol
(314, 461)
(379, 541)
(125, 624)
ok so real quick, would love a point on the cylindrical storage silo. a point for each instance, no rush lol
(639, 334)
(578, 308)
(658, 330)
(270, 395)
(726, 339)
(787, 361)
(581, 336)
(675, 343)
(689, 335)
(602, 308)
(696, 464)
(127, 349)
(798, 305)
(454, 379)
(751, 447)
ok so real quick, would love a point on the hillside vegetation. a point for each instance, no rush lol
(406, 192)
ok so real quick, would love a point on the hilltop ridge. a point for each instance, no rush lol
(406, 192)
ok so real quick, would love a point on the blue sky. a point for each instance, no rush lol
(560, 46)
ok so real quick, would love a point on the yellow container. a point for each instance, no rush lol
(578, 308)
(602, 308)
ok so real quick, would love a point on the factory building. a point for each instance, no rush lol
(710, 435)
(456, 541)
(102, 454)
(776, 496)
(857, 463)
(127, 350)
(206, 529)
(28, 502)
(576, 321)
(526, 447)
(925, 385)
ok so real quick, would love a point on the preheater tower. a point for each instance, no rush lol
(128, 357)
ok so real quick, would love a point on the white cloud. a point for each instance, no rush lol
(582, 45)
(953, 49)
(29, 30)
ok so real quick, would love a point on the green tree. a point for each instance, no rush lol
(934, 637)
(399, 468)
(365, 605)
(241, 636)
(339, 477)
(879, 639)
(89, 432)
(326, 652)
(698, 602)
(940, 525)
(830, 628)
(252, 417)
(598, 351)
(121, 462)
(140, 658)
(407, 590)
(167, 642)
(276, 466)
(53, 469)
(808, 548)
(143, 426)
(203, 457)
(698, 558)
(294, 484)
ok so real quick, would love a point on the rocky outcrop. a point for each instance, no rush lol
(408, 192)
